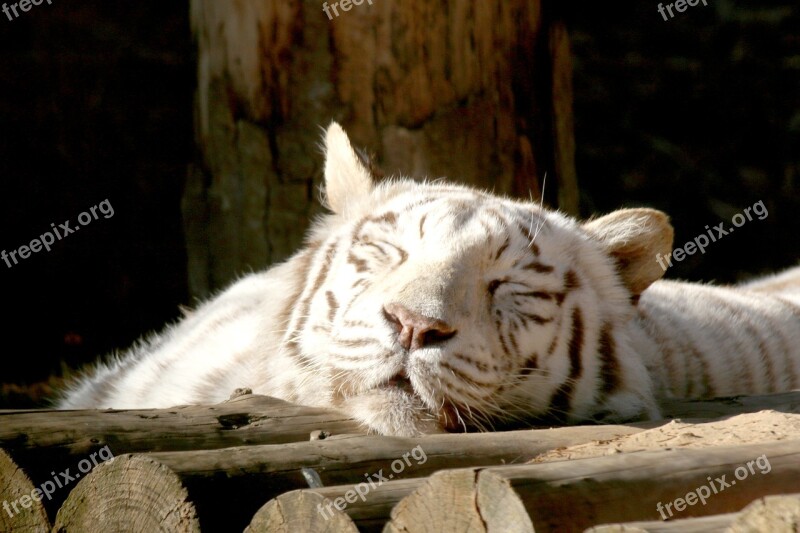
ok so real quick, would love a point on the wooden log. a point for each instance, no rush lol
(45, 441)
(447, 502)
(371, 512)
(289, 513)
(704, 524)
(776, 514)
(244, 478)
(574, 495)
(246, 419)
(22, 508)
(128, 493)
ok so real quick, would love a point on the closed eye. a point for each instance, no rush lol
(541, 295)
(493, 285)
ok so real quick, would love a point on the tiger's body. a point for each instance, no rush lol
(423, 307)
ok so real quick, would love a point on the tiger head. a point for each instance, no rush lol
(433, 306)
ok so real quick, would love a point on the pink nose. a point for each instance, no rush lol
(415, 331)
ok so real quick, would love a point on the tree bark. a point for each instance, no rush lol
(475, 91)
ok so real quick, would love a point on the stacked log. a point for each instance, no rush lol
(47, 442)
(129, 490)
(22, 508)
(623, 487)
(249, 463)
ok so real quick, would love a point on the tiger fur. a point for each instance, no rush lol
(425, 307)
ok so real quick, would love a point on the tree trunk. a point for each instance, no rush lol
(472, 90)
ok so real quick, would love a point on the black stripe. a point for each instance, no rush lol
(560, 403)
(333, 305)
(305, 305)
(536, 266)
(502, 249)
(609, 364)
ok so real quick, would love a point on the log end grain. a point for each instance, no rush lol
(129, 492)
(19, 508)
(777, 514)
(300, 511)
(457, 500)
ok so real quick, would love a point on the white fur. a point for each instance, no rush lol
(313, 330)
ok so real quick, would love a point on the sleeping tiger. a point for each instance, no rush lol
(429, 307)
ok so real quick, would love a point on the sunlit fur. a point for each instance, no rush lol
(551, 318)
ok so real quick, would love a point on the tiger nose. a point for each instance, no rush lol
(415, 330)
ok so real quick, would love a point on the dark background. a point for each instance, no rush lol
(698, 116)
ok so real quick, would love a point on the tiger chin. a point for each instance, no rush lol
(421, 307)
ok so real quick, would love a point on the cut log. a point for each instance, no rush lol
(241, 479)
(128, 493)
(45, 441)
(248, 419)
(447, 502)
(22, 508)
(293, 512)
(776, 514)
(704, 524)
(574, 495)
(346, 463)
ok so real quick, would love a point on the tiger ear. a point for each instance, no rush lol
(347, 180)
(635, 238)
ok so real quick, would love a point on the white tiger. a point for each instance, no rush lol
(423, 307)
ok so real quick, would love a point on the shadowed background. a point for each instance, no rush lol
(698, 116)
